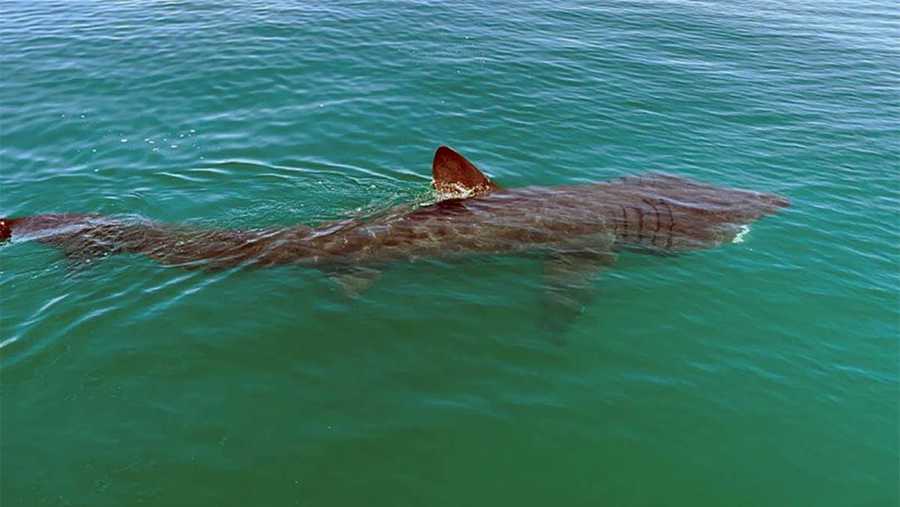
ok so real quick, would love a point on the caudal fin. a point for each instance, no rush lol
(39, 224)
(6, 228)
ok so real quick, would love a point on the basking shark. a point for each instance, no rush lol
(576, 229)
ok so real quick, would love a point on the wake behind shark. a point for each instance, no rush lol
(577, 228)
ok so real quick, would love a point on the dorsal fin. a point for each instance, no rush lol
(454, 176)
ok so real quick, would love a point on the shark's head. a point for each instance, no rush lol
(454, 177)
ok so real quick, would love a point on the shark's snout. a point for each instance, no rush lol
(775, 200)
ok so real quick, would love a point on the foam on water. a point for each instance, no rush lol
(742, 233)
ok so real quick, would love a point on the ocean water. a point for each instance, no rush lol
(757, 374)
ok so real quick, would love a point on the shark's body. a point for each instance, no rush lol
(656, 213)
(578, 228)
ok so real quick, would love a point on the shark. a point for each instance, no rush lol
(577, 230)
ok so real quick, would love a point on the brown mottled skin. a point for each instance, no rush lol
(656, 213)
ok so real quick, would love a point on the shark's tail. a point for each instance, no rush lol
(11, 227)
(6, 228)
(84, 237)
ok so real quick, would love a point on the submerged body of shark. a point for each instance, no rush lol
(578, 227)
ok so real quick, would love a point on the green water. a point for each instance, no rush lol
(763, 373)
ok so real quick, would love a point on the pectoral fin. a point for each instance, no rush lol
(355, 281)
(568, 288)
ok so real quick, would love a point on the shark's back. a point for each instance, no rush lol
(655, 212)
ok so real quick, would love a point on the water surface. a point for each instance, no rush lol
(763, 373)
